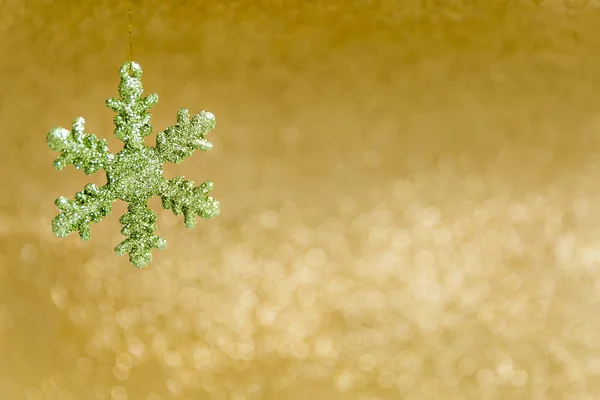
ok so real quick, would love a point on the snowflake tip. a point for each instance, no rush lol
(57, 139)
(206, 120)
(131, 69)
(60, 228)
(141, 259)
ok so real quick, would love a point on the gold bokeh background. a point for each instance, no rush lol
(409, 196)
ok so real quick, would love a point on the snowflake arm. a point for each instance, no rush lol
(132, 122)
(182, 197)
(90, 206)
(179, 141)
(120, 107)
(84, 151)
(138, 224)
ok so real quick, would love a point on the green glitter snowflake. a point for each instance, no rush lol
(135, 173)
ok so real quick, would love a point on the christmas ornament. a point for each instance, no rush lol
(134, 174)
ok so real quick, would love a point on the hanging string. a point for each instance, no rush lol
(130, 26)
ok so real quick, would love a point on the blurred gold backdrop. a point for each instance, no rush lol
(409, 196)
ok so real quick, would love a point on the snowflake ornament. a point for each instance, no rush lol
(134, 174)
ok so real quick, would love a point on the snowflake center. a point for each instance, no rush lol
(136, 174)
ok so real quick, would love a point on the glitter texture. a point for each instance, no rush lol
(135, 173)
